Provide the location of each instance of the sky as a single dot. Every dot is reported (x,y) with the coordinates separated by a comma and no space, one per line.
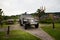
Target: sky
(15,7)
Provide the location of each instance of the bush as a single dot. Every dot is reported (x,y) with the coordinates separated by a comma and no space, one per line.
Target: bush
(48,21)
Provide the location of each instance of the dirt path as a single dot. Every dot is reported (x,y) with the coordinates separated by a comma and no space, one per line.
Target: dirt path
(3,29)
(40,34)
(36,32)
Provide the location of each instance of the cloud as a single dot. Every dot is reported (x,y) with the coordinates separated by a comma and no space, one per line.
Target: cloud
(13,7)
(52,5)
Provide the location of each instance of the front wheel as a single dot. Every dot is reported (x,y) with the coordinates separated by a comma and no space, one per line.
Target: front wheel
(25,26)
(36,25)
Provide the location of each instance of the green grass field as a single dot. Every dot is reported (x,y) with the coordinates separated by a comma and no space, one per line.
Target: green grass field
(17,35)
(53,32)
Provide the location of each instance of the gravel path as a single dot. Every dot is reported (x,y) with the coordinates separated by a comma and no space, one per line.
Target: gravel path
(36,32)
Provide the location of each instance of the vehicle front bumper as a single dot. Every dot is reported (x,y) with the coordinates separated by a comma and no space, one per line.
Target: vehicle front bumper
(33,23)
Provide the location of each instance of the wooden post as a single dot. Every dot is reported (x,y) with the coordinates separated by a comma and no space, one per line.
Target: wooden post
(8,30)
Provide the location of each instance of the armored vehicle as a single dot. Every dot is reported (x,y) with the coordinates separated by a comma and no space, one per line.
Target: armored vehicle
(27,20)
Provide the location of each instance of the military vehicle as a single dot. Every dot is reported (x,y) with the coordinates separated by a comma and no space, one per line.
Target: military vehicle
(27,20)
(10,21)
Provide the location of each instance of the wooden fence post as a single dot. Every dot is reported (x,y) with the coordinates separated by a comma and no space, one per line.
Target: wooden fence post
(8,30)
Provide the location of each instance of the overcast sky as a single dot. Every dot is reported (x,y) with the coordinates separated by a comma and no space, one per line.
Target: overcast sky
(13,7)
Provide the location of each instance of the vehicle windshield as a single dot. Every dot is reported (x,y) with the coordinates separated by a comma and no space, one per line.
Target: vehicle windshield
(28,17)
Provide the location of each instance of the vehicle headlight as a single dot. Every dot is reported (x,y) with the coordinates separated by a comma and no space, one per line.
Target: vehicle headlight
(36,20)
(32,20)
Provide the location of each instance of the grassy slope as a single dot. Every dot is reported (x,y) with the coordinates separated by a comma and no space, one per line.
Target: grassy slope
(53,32)
(17,35)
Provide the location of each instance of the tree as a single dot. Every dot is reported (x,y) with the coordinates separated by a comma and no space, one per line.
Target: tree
(52,18)
(40,12)
(1,14)
(1,17)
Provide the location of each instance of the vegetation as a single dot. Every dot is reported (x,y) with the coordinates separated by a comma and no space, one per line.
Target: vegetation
(40,12)
(1,17)
(53,32)
(47,21)
(11,17)
(17,35)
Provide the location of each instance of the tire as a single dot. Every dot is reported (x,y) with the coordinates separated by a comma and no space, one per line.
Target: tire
(36,25)
(26,26)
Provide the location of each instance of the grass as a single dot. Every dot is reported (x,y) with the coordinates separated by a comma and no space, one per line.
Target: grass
(53,32)
(17,35)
